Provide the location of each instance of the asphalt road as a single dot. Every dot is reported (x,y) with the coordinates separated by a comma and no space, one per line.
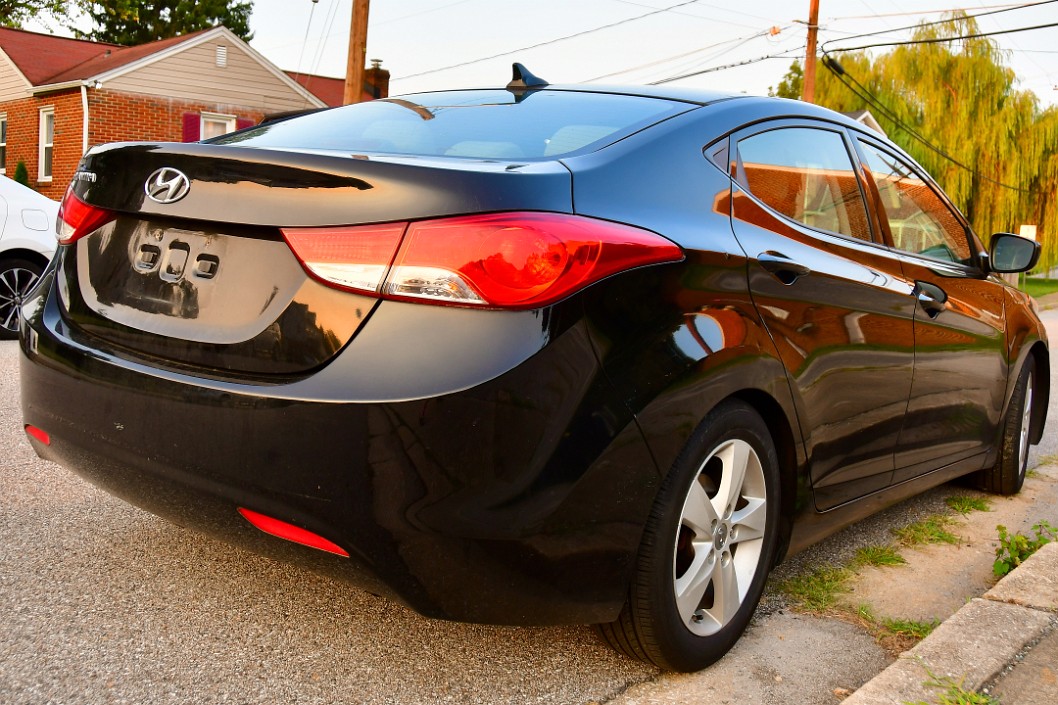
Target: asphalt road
(103,603)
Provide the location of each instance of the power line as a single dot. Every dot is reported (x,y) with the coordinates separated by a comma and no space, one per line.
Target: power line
(942,40)
(930,24)
(736,64)
(305,41)
(421,12)
(708,19)
(551,41)
(1009,5)
(667,58)
(861,91)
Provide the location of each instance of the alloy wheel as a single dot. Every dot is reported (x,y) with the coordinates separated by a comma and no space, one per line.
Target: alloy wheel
(720,537)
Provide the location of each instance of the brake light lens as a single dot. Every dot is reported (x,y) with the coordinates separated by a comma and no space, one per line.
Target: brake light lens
(501,260)
(77,218)
(289,532)
(38,433)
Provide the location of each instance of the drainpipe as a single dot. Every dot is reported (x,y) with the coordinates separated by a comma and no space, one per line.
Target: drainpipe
(84,120)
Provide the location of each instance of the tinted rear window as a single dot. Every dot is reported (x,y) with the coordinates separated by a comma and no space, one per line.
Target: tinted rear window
(477,124)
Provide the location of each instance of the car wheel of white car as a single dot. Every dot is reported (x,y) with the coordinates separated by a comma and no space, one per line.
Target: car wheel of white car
(17,279)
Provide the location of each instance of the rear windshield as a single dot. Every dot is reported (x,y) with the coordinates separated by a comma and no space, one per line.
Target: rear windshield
(492,124)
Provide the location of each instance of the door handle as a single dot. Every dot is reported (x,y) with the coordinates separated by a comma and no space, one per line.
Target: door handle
(931,297)
(785,269)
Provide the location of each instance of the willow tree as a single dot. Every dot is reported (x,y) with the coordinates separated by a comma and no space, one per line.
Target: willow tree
(959,95)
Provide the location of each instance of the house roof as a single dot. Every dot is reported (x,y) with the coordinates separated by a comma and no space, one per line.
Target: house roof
(41,56)
(45,58)
(116,58)
(330,90)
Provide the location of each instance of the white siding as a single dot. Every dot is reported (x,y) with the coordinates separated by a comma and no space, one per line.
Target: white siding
(193,75)
(13,85)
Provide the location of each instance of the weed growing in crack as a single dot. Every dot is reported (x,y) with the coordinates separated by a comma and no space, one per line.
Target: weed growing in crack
(1014,548)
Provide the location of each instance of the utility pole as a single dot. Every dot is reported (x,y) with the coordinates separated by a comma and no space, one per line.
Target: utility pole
(354,69)
(808,93)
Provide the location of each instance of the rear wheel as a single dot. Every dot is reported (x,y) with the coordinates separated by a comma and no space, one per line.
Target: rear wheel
(707,548)
(1008,474)
(17,279)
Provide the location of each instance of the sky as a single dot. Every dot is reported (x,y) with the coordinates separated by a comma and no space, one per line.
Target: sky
(650,40)
(442,44)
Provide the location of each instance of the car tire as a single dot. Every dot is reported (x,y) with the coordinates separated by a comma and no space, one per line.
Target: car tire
(1008,474)
(708,546)
(17,278)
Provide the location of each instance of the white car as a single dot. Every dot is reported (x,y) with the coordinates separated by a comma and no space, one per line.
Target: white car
(27,243)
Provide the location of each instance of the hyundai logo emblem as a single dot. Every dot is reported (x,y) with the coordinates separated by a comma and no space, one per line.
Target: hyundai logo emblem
(167,185)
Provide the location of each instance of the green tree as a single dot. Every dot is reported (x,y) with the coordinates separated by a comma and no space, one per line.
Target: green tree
(14,12)
(133,22)
(792,84)
(963,99)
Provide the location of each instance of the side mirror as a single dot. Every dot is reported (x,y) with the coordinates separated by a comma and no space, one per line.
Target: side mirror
(1010,253)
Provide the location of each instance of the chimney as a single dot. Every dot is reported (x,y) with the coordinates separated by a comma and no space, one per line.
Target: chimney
(376,79)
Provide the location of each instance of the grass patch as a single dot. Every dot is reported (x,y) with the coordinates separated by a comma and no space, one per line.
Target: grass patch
(952,692)
(894,635)
(1039,287)
(877,556)
(1051,459)
(912,628)
(964,504)
(932,529)
(817,590)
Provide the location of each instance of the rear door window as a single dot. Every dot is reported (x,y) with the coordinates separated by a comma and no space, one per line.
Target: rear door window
(920,221)
(805,174)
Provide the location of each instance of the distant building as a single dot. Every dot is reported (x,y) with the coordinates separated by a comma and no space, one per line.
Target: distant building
(864,117)
(60,96)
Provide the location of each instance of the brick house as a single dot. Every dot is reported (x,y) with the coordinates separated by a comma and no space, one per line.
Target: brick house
(60,96)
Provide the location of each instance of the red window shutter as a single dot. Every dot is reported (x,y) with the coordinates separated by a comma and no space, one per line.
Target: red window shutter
(192,127)
(243,123)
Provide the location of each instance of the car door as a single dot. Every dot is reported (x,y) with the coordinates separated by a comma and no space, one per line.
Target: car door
(832,296)
(960,362)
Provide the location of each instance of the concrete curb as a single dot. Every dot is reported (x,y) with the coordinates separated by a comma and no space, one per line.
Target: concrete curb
(977,643)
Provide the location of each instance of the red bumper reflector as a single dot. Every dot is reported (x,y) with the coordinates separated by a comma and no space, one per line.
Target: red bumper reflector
(37,433)
(290,532)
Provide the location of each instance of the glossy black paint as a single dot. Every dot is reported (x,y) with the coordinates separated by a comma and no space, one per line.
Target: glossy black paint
(499,466)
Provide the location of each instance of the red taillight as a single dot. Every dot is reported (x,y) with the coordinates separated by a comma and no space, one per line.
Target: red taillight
(77,218)
(39,434)
(502,260)
(283,530)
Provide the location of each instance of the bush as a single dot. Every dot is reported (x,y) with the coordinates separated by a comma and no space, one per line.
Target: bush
(1015,548)
(22,174)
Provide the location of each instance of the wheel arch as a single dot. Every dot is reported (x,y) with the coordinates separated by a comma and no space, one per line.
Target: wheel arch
(763,386)
(1041,388)
(26,254)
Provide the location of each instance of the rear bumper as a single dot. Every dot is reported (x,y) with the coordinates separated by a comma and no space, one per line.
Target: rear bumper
(516,500)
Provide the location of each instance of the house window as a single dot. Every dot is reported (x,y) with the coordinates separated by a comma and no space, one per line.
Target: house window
(214,125)
(47,144)
(3,144)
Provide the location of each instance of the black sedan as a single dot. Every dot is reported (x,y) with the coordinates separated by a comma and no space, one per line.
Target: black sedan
(533,355)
